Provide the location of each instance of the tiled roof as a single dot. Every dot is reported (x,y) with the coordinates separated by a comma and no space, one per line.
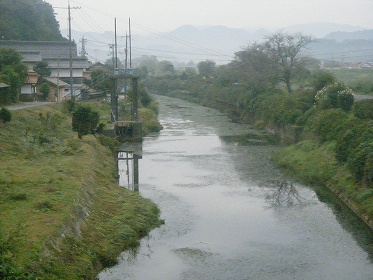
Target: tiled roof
(54,80)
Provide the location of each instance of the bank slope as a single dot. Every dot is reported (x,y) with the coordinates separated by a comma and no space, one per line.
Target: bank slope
(62,215)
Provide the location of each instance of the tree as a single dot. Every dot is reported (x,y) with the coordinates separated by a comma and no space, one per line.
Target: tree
(28,20)
(102,80)
(45,90)
(255,67)
(84,120)
(166,66)
(151,63)
(42,69)
(284,50)
(206,68)
(12,72)
(321,79)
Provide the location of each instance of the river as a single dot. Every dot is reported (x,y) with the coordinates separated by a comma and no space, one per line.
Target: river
(230,214)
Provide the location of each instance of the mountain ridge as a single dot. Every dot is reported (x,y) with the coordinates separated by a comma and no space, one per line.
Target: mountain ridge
(218,43)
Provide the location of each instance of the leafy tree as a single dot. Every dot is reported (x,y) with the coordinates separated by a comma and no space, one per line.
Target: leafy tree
(84,120)
(151,63)
(12,72)
(29,20)
(256,68)
(143,72)
(284,50)
(206,68)
(321,79)
(45,90)
(103,81)
(166,66)
(42,69)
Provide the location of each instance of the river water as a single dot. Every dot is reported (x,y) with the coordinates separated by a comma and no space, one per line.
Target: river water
(229,214)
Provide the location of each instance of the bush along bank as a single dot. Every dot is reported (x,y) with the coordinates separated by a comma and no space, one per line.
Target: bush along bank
(336,152)
(62,213)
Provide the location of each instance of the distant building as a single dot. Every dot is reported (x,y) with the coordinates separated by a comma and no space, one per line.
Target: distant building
(57,55)
(59,90)
(28,90)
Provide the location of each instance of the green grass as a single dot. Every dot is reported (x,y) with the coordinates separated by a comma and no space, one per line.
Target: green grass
(315,164)
(59,195)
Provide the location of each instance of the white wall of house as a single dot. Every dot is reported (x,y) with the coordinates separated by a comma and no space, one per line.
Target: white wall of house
(27,89)
(65,73)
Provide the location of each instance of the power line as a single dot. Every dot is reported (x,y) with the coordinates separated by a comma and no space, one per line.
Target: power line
(169,37)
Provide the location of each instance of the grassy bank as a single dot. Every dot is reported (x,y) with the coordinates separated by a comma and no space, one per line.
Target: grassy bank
(62,214)
(315,164)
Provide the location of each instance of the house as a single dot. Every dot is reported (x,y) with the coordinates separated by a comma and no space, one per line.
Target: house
(59,90)
(28,90)
(57,55)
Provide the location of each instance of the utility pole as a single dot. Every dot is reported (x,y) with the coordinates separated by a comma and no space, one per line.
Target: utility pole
(129,29)
(71,51)
(69,8)
(126,63)
(70,54)
(114,95)
(58,82)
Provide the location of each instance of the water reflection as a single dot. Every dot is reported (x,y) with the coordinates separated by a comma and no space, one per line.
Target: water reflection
(128,165)
(361,232)
(285,194)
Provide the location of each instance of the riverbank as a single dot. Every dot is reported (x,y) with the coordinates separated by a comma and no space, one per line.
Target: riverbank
(315,164)
(63,215)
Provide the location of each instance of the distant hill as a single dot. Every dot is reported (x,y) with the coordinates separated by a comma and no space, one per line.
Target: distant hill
(357,35)
(321,29)
(219,43)
(28,20)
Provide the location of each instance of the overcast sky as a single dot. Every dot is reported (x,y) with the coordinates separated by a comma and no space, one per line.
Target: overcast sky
(166,15)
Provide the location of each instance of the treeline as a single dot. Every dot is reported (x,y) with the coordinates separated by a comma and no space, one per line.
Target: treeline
(270,85)
(28,20)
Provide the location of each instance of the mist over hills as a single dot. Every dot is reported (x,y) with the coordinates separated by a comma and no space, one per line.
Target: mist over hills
(219,43)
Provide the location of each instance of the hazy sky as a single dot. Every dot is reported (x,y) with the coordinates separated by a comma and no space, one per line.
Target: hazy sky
(166,15)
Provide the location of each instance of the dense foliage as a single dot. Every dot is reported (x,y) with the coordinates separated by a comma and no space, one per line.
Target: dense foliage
(28,20)
(12,73)
(5,115)
(84,120)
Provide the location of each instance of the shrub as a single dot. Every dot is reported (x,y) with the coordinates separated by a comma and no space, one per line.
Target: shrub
(109,142)
(329,124)
(69,105)
(286,111)
(360,161)
(5,115)
(363,109)
(345,145)
(335,96)
(356,148)
(84,120)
